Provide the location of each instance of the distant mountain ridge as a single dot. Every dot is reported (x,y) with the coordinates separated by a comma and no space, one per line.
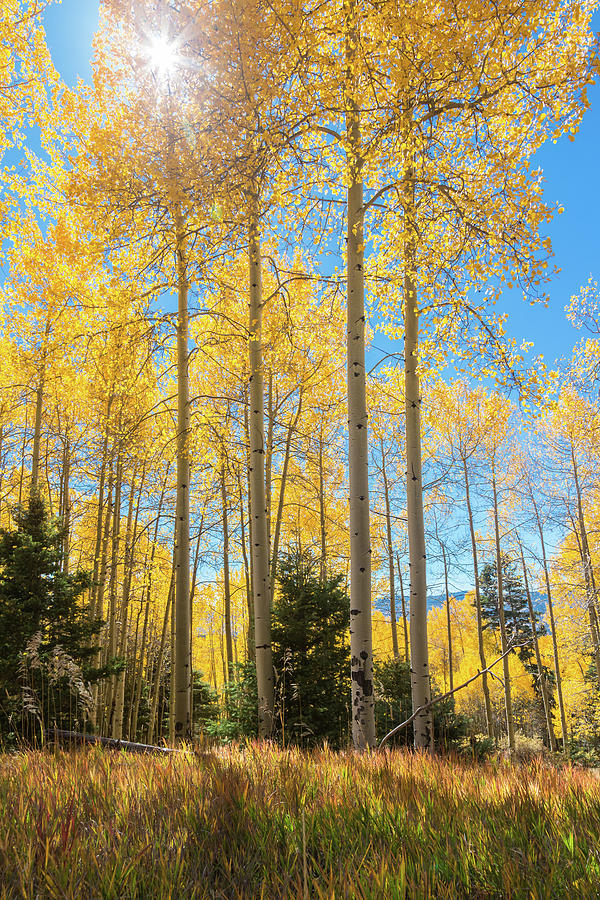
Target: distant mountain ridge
(435,600)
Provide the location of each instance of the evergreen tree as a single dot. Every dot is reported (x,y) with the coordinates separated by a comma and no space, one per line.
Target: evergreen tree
(393,705)
(46,640)
(519,631)
(239,717)
(205,702)
(311,654)
(393,699)
(516,612)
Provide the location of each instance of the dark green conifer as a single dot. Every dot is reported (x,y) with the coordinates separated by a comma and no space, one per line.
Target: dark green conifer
(311,653)
(516,611)
(40,609)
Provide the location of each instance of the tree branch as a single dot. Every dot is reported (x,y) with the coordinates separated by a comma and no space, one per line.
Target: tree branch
(427,706)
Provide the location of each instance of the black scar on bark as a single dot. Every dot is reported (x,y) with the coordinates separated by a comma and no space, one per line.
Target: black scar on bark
(365,684)
(355,612)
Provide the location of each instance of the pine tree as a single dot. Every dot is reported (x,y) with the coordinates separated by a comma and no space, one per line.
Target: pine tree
(44,634)
(516,612)
(311,653)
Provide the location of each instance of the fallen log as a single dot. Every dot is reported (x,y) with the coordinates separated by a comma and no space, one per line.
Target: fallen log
(74,737)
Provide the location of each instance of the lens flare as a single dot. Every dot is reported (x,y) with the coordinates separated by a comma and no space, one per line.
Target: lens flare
(162,56)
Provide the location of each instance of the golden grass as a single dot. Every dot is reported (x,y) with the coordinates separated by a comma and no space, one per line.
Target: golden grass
(229,824)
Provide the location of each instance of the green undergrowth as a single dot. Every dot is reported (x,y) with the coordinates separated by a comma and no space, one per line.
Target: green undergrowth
(265,823)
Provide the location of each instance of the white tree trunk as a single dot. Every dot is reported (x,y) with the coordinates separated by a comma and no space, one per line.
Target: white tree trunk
(448,621)
(403,604)
(39,408)
(322,523)
(510,722)
(361,639)
(282,488)
(419,649)
(119,701)
(112,595)
(37,432)
(390,550)
(183,648)
(226,578)
(588,571)
(258,503)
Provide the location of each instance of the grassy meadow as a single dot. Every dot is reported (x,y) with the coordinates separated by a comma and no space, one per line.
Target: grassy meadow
(265,823)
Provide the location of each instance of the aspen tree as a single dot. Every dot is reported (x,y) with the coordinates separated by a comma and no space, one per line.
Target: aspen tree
(182,661)
(460,420)
(115,540)
(455,113)
(586,563)
(119,697)
(419,658)
(322,525)
(155,694)
(245,36)
(448,621)
(361,639)
(390,551)
(258,502)
(138,677)
(39,408)
(293,423)
(536,645)
(226,578)
(567,436)
(557,668)
(530,492)
(510,722)
(151,187)
(403,602)
(100,512)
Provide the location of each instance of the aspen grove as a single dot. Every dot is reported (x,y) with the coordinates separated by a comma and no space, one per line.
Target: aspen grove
(276,465)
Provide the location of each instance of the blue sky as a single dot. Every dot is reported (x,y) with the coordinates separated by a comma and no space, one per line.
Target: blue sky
(70,27)
(570,171)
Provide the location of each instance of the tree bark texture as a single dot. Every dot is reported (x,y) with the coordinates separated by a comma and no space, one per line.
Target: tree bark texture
(390,551)
(282,487)
(183,649)
(403,603)
(39,409)
(112,593)
(588,572)
(361,640)
(161,656)
(121,635)
(258,501)
(226,581)
(448,621)
(419,649)
(510,722)
(322,523)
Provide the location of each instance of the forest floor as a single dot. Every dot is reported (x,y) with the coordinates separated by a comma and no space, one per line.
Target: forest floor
(265,823)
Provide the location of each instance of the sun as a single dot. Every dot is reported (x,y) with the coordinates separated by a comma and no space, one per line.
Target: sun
(163,57)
